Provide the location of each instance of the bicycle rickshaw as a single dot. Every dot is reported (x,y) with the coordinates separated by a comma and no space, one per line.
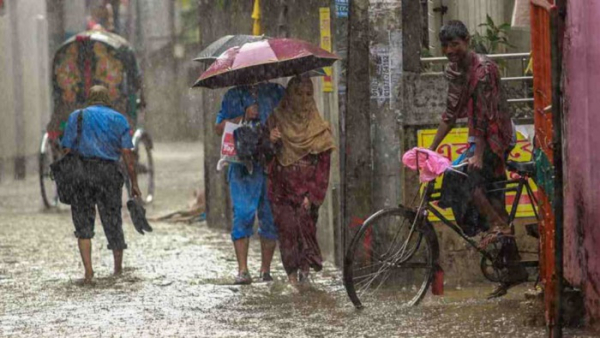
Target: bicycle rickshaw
(395,253)
(96,58)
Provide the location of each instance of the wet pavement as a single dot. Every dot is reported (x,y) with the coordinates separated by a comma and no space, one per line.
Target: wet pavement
(177,281)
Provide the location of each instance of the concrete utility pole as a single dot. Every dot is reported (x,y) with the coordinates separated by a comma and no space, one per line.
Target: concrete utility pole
(355,123)
(385,47)
(17,67)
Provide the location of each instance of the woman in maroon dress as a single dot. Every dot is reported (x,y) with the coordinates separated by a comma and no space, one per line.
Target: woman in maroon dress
(299,176)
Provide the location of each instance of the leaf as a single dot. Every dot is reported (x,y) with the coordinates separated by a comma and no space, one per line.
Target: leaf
(489,20)
(504,26)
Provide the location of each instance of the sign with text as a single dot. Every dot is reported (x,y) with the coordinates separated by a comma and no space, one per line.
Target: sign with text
(456,143)
(325,25)
(341,8)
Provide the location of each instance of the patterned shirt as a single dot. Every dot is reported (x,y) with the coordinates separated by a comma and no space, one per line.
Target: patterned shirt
(477,95)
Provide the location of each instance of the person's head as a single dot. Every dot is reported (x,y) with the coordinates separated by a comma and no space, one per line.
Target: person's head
(454,37)
(300,87)
(99,96)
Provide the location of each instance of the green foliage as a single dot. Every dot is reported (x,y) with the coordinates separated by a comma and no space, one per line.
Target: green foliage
(494,37)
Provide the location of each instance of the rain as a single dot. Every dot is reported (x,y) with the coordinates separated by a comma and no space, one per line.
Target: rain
(278,168)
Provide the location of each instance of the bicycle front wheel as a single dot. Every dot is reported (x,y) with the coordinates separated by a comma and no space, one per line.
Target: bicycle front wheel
(391,259)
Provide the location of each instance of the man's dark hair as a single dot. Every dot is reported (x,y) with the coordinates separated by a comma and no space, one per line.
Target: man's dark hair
(454,29)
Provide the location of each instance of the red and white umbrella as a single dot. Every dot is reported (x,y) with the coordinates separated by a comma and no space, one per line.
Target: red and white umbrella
(264,60)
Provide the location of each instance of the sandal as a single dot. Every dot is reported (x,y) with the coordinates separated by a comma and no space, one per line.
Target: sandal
(266,277)
(243,278)
(304,277)
(499,291)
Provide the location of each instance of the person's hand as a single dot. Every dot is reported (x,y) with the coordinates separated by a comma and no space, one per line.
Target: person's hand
(306,203)
(252,112)
(475,162)
(135,191)
(275,135)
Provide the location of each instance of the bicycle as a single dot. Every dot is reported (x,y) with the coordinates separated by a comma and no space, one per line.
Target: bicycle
(51,150)
(395,253)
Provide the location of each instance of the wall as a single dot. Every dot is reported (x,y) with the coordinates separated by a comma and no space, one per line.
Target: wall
(582,161)
(24,85)
(473,13)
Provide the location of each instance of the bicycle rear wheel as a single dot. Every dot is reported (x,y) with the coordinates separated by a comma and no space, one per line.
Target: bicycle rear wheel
(390,259)
(47,185)
(145,168)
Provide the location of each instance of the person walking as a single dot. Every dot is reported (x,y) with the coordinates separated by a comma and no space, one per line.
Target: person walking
(104,137)
(248,189)
(475,92)
(299,177)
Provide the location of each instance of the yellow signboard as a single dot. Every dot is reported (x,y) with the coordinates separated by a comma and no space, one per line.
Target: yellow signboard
(325,25)
(456,143)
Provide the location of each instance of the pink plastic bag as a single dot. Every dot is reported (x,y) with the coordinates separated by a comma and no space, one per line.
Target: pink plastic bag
(431,164)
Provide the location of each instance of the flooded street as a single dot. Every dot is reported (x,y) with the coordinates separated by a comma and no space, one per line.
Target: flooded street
(178,281)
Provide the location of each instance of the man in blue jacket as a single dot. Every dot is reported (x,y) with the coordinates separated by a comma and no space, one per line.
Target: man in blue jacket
(104,137)
(249,189)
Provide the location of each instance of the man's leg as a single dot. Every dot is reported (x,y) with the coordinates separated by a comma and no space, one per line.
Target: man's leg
(245,195)
(267,249)
(267,231)
(109,209)
(241,253)
(85,249)
(118,259)
(496,216)
(83,214)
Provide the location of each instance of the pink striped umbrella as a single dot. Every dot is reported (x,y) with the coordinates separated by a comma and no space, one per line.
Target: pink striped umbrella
(264,60)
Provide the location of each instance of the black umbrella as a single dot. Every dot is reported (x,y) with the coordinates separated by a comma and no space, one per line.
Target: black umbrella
(212,52)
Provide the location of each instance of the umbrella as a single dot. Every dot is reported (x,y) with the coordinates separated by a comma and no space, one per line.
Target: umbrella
(212,52)
(264,60)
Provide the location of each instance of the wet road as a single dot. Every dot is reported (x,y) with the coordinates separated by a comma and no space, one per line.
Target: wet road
(177,282)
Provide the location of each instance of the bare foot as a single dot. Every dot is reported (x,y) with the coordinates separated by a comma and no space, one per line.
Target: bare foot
(293,279)
(88,279)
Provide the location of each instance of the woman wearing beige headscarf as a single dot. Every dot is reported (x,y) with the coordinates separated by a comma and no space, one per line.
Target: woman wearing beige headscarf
(299,177)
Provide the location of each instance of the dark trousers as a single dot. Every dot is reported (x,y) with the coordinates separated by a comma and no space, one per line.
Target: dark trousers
(103,188)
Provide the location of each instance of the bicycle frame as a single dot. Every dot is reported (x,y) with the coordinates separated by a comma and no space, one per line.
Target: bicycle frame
(522,182)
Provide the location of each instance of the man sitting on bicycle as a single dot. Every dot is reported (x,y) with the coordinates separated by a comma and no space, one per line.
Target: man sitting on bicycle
(475,93)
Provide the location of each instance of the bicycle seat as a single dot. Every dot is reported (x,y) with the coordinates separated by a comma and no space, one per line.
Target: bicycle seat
(521,168)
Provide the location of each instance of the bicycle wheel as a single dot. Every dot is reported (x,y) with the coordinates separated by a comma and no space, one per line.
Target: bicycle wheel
(390,260)
(491,268)
(47,185)
(145,168)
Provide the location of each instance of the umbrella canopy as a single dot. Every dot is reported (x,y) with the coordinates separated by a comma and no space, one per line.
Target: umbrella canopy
(212,52)
(264,60)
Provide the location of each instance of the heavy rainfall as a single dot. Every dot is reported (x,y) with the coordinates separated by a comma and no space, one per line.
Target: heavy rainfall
(315,168)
